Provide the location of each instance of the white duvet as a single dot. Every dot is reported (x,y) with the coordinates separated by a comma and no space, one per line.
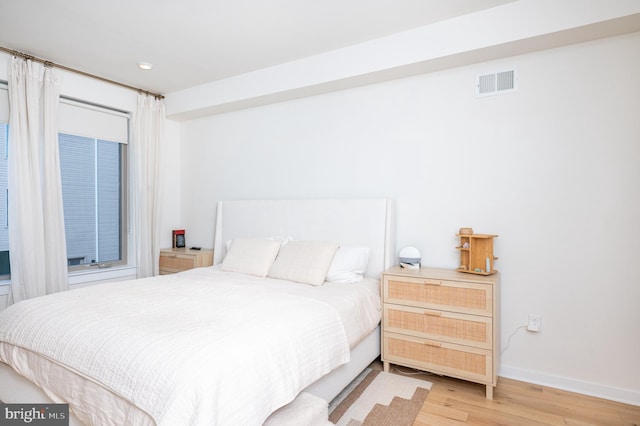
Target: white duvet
(197,348)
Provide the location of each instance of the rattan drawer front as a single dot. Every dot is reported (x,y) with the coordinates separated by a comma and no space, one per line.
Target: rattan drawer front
(443,358)
(457,296)
(176,262)
(472,330)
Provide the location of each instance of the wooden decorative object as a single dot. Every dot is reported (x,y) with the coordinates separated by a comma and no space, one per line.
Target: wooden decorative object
(476,253)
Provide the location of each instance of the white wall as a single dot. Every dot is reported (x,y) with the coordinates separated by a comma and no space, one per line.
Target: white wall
(552,168)
(170,174)
(516,27)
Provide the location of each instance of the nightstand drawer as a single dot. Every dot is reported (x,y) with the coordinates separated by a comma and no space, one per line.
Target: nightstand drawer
(457,296)
(180,259)
(439,357)
(471,330)
(177,262)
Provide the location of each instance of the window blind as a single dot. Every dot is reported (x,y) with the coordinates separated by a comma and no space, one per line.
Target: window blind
(4,104)
(80,119)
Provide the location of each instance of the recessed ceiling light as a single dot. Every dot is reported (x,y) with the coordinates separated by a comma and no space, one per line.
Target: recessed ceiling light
(145,65)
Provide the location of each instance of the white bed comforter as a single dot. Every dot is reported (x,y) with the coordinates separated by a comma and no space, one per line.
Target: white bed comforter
(196,348)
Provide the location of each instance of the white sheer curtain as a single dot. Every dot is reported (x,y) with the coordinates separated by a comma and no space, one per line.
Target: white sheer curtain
(148,137)
(37,243)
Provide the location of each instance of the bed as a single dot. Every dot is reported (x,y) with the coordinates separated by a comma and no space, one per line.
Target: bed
(175,321)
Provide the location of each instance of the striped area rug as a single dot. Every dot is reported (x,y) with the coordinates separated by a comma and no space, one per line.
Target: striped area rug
(377,398)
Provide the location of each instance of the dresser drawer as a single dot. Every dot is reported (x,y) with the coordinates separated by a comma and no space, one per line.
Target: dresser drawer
(470,330)
(457,296)
(439,357)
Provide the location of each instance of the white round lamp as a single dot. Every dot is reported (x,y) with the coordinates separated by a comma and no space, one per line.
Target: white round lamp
(410,258)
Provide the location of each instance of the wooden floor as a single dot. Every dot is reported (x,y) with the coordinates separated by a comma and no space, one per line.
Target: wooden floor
(457,402)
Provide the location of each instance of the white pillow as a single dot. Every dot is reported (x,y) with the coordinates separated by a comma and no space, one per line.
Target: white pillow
(303,261)
(253,256)
(283,240)
(349,265)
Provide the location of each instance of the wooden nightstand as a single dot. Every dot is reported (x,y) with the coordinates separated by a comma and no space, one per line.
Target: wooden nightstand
(442,321)
(180,259)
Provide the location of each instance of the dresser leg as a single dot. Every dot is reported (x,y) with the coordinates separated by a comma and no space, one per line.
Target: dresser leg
(489,392)
(385,366)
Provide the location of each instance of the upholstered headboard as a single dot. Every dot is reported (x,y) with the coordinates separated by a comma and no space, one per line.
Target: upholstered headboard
(361,222)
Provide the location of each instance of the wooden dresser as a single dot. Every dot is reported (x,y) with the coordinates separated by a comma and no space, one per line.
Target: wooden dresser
(442,321)
(180,259)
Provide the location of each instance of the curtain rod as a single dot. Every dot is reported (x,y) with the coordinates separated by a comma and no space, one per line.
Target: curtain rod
(73,70)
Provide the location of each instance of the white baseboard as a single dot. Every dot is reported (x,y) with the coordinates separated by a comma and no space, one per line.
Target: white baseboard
(626,396)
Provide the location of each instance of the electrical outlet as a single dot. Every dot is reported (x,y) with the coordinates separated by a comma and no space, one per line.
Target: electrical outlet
(534,322)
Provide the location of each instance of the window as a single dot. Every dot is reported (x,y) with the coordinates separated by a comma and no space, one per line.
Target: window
(93,162)
(91,172)
(4,196)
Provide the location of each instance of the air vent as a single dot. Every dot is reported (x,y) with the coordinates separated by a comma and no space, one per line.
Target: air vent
(496,83)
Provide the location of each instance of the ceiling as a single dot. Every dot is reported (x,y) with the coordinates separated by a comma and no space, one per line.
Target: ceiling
(191,42)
